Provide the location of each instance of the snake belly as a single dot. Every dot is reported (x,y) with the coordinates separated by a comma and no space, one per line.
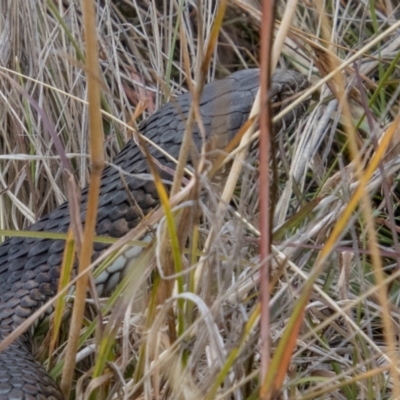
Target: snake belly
(30,267)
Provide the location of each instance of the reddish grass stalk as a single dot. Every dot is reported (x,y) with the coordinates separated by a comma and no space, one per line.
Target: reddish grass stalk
(265,153)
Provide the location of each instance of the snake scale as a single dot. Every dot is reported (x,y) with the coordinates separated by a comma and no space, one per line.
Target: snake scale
(30,267)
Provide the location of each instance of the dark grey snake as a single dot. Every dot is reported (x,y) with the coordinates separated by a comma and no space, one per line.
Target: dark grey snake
(30,268)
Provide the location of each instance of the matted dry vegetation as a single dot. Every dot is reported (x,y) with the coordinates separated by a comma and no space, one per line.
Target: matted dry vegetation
(335,209)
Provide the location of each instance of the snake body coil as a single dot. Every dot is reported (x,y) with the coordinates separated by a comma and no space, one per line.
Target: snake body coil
(30,268)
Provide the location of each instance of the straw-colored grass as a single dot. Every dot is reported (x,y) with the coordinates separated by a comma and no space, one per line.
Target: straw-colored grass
(334,316)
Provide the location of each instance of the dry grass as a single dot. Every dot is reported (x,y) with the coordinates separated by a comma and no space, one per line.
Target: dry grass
(335,213)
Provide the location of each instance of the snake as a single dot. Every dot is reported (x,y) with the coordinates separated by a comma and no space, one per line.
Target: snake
(30,267)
